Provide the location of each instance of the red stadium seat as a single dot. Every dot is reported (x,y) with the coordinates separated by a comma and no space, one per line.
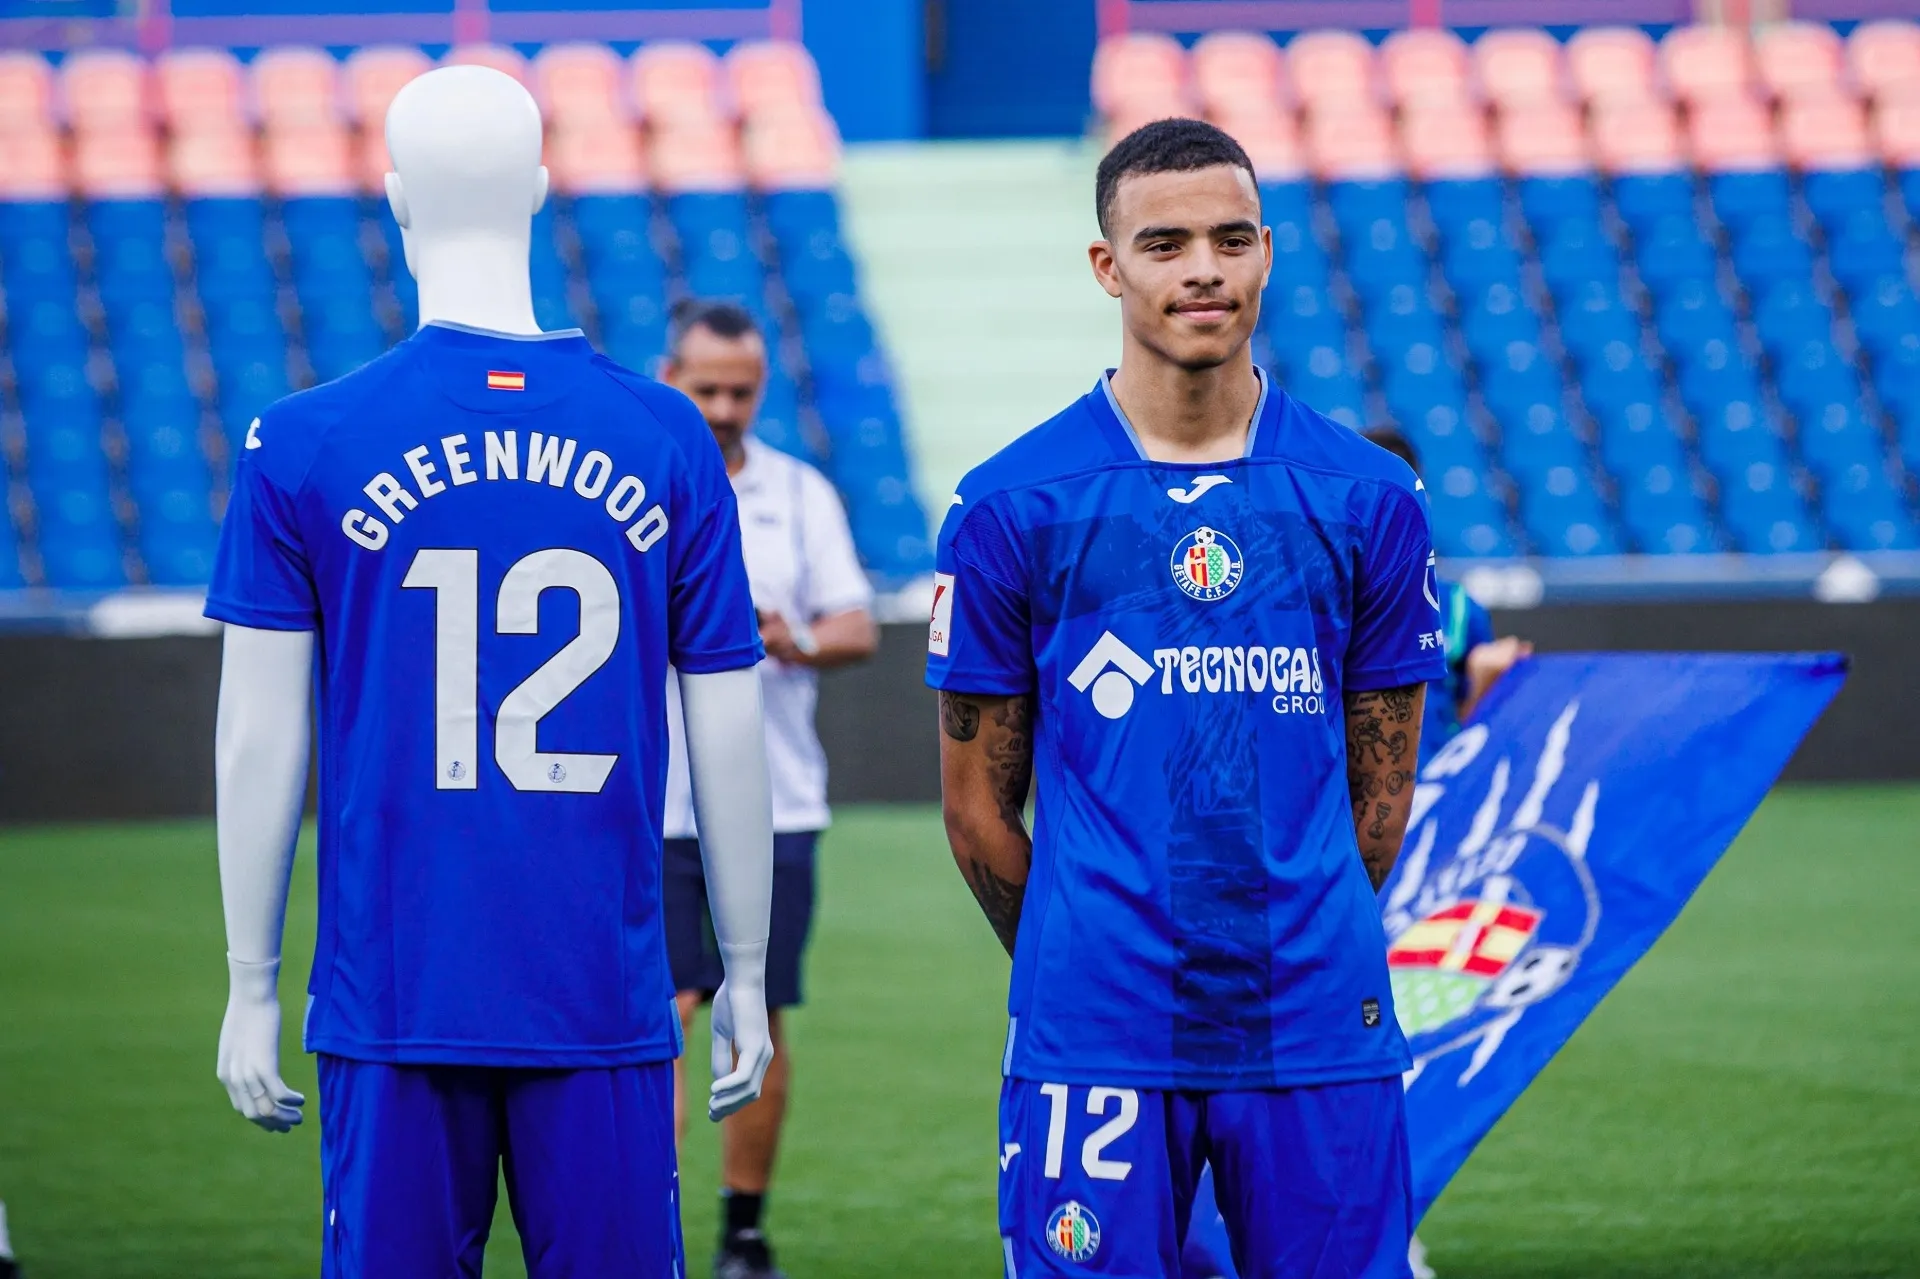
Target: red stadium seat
(1796,58)
(504,60)
(1138,66)
(33,164)
(773,77)
(1734,133)
(1426,64)
(1703,63)
(370,161)
(296,85)
(105,90)
(374,75)
(1520,66)
(791,151)
(1134,113)
(1238,73)
(581,85)
(1612,64)
(1546,139)
(597,157)
(1636,137)
(697,156)
(214,162)
(1333,71)
(1828,131)
(1884,56)
(26,91)
(1351,144)
(315,160)
(1271,139)
(117,164)
(200,90)
(1896,128)
(1444,140)
(677,81)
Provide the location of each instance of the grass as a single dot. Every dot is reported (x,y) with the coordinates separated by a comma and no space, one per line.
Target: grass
(1747,1104)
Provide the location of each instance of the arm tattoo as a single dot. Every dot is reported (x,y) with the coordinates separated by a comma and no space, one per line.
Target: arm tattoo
(959,716)
(1382,744)
(1010,753)
(999,898)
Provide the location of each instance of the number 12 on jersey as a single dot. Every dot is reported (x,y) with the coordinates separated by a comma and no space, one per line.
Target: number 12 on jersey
(454,578)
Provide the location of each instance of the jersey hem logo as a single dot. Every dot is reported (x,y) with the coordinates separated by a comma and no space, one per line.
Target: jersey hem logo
(1198,489)
(1207,565)
(1073,1232)
(1112,688)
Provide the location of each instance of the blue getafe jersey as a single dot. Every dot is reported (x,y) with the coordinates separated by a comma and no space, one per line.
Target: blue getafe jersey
(1198,915)
(1466,624)
(501,543)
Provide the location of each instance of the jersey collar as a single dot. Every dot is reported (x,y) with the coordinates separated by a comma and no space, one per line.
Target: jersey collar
(1113,423)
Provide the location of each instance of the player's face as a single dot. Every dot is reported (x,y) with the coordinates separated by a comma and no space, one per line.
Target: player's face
(724,377)
(1187,258)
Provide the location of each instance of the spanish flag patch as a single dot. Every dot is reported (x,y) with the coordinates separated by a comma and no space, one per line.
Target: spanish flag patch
(498,381)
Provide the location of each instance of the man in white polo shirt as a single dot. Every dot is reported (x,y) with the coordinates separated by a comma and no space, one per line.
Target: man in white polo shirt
(813,600)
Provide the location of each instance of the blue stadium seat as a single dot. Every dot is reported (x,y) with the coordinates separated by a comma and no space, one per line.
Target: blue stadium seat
(1836,434)
(1884,310)
(1834,195)
(1496,316)
(1770,249)
(1380,255)
(44,331)
(1467,519)
(176,531)
(243,321)
(1715,374)
(1865,508)
(794,215)
(58,389)
(1535,442)
(1299,316)
(1442,436)
(38,269)
(1521,378)
(816,268)
(1671,250)
(34,220)
(11,576)
(1454,202)
(1323,379)
(1789,314)
(1739,198)
(1864,249)
(1896,372)
(1691,313)
(1738,433)
(1576,254)
(1638,435)
(1565,517)
(1355,204)
(79,538)
(1764,514)
(1478,255)
(1419,379)
(1401,318)
(1550,202)
(1595,314)
(1646,199)
(1661,506)
(1813,373)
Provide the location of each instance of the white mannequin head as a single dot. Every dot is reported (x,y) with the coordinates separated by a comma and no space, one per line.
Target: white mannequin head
(467,180)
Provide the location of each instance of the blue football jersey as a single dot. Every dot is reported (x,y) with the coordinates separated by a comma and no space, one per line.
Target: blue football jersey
(501,544)
(1198,915)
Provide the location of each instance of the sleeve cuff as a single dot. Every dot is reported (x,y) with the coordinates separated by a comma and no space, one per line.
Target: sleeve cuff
(1422,670)
(259,617)
(987,683)
(727,659)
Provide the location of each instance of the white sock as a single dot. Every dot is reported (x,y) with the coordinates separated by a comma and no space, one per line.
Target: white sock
(6,1245)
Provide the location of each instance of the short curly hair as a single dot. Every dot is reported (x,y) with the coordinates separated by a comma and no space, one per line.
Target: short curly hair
(1165,146)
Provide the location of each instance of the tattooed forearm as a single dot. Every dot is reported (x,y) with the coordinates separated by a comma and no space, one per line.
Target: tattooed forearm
(1383,745)
(1000,900)
(959,716)
(986,770)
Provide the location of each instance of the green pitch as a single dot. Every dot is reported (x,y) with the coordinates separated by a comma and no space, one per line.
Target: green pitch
(1747,1104)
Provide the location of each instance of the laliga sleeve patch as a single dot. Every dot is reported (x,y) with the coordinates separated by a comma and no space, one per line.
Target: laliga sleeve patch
(940,629)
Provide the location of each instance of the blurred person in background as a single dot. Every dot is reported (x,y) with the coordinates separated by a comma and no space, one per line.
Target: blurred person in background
(813,601)
(1475,657)
(8,1268)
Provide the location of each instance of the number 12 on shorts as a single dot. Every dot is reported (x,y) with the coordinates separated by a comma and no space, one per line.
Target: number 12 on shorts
(1099,1101)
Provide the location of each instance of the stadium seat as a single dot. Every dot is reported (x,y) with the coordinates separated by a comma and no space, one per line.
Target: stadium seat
(769,78)
(493,56)
(1768,249)
(1826,131)
(26,103)
(1836,195)
(1884,56)
(581,86)
(1424,66)
(1520,68)
(677,82)
(1332,71)
(1446,140)
(1235,71)
(1352,143)
(105,91)
(1637,137)
(1734,133)
(296,87)
(1543,140)
(1549,202)
(792,150)
(1564,517)
(1736,433)
(594,158)
(1454,202)
(1661,506)
(1864,248)
(200,89)
(1609,65)
(1862,504)
(1672,250)
(1705,63)
(1740,197)
(1136,66)
(1764,514)
(374,75)
(1644,199)
(1795,59)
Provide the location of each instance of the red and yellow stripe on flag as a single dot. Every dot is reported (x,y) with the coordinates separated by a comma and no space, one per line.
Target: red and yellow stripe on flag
(1481,938)
(498,381)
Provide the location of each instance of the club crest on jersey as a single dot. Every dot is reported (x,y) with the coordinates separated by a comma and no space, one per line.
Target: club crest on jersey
(1073,1231)
(1207,565)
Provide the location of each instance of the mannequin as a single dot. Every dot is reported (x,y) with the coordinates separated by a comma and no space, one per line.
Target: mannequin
(465,143)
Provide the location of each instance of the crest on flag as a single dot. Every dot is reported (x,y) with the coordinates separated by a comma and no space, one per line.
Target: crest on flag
(1206,564)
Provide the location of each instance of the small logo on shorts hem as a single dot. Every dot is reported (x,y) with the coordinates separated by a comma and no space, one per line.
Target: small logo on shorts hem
(1073,1231)
(1370,1012)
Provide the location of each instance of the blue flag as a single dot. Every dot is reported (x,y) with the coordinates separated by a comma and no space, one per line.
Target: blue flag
(1551,843)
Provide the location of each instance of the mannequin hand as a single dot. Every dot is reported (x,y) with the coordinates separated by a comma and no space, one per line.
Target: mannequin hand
(742,1045)
(249,1064)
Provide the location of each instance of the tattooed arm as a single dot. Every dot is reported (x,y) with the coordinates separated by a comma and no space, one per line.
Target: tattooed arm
(1383,745)
(986,767)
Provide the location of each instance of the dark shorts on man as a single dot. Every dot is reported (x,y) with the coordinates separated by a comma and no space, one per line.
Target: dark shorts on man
(693,953)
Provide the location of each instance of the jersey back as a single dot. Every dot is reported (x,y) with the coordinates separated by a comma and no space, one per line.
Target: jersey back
(501,544)
(1197,914)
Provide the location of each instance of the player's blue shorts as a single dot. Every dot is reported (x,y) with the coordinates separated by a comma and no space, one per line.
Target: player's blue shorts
(1314,1183)
(410,1157)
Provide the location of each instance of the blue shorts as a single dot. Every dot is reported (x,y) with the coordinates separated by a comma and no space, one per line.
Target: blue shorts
(1313,1183)
(694,956)
(410,1157)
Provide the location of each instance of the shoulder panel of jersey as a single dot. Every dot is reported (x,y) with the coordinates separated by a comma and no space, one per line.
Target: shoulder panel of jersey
(674,412)
(288,435)
(1315,440)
